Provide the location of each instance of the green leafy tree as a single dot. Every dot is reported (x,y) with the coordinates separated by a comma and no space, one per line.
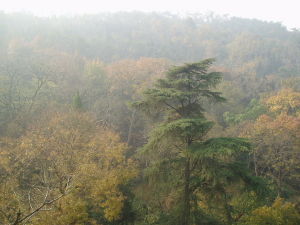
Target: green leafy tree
(179,146)
(252,112)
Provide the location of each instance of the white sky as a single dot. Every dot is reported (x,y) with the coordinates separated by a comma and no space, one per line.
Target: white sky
(285,11)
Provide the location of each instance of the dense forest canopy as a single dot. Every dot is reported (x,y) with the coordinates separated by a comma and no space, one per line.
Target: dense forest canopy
(148,118)
(112,37)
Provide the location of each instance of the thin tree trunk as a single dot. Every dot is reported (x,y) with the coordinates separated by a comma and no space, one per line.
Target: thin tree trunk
(255,163)
(129,136)
(279,183)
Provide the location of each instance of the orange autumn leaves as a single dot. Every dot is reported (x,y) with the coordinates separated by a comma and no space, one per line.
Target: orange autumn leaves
(276,140)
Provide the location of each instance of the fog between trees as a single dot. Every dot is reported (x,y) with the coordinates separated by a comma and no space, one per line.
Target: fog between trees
(148,118)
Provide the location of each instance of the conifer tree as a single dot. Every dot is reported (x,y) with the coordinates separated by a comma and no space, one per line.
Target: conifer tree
(179,143)
(77,102)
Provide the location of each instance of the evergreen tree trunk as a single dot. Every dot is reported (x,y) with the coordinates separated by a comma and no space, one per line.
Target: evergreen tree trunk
(186,198)
(227,210)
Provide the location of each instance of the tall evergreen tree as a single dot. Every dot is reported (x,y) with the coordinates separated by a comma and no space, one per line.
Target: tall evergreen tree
(179,144)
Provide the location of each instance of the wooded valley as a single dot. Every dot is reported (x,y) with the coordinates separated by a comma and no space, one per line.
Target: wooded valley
(148,119)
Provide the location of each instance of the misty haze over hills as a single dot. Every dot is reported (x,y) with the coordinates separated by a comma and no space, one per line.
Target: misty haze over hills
(113,36)
(139,118)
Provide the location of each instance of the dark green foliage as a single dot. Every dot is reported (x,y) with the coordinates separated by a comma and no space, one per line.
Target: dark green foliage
(183,91)
(178,130)
(180,145)
(77,102)
(220,147)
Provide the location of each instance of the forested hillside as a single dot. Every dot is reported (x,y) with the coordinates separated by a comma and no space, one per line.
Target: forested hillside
(148,118)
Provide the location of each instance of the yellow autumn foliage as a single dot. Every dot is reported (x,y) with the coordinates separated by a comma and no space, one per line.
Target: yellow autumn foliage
(286,101)
(71,145)
(280,213)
